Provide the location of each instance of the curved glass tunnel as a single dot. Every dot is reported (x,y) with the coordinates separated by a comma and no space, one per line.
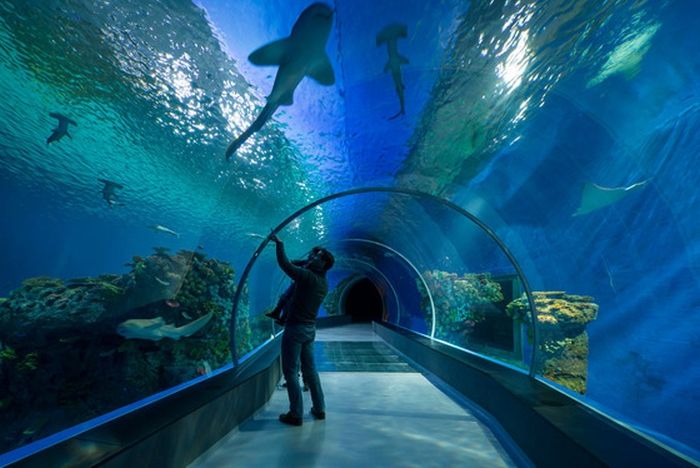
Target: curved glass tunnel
(568,130)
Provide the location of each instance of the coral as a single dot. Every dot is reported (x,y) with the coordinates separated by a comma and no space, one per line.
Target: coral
(557,311)
(568,364)
(456,299)
(161,251)
(60,353)
(563,342)
(8,354)
(41,282)
(30,362)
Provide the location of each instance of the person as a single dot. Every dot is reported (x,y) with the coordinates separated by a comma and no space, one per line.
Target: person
(278,313)
(308,291)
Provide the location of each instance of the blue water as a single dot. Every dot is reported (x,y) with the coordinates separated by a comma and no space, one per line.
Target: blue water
(511,107)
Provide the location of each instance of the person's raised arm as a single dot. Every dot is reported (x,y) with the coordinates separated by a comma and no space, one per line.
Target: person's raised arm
(294,272)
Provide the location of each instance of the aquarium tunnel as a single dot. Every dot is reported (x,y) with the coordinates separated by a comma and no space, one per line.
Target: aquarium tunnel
(509,189)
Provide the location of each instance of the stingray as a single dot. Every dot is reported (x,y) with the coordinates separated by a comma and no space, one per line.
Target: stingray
(595,197)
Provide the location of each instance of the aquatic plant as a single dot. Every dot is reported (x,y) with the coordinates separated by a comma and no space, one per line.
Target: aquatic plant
(41,282)
(138,265)
(30,362)
(110,291)
(7,354)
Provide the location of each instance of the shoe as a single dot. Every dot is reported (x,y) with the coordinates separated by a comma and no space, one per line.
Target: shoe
(289,418)
(318,414)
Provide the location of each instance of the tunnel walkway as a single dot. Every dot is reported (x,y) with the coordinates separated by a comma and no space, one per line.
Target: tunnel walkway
(380,412)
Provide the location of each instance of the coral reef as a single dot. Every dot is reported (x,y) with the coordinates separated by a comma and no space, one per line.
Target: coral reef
(61,356)
(563,341)
(457,300)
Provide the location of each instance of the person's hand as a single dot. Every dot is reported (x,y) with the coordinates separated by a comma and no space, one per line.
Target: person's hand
(273,237)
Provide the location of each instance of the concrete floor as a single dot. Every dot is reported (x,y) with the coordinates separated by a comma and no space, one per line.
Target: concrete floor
(373,419)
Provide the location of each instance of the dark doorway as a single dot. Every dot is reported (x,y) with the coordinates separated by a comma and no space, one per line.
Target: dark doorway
(363,302)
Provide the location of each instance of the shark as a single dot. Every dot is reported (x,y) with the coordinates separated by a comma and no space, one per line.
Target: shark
(595,197)
(62,129)
(297,56)
(163,229)
(109,192)
(156,329)
(390,35)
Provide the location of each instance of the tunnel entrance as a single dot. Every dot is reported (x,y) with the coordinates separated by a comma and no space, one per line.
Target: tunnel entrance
(363,302)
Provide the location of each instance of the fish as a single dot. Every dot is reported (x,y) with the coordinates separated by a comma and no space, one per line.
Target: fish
(185,315)
(62,129)
(160,281)
(163,229)
(390,35)
(171,303)
(299,55)
(595,197)
(156,329)
(109,192)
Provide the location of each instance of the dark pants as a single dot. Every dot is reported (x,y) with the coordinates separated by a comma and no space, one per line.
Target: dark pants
(298,347)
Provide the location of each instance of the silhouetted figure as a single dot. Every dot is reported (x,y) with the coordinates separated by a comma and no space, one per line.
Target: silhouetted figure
(299,55)
(390,36)
(309,289)
(62,129)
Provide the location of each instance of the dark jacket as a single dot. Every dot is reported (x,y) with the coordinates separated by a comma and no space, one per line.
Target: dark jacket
(310,288)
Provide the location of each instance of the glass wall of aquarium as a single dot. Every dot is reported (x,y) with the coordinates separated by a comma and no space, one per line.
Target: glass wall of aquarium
(147,148)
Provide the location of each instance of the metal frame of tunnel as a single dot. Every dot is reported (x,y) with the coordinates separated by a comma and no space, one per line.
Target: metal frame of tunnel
(400,191)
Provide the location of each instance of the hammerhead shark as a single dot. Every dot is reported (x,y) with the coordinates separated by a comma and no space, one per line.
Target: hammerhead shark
(109,192)
(163,229)
(299,55)
(156,329)
(595,197)
(390,36)
(62,129)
